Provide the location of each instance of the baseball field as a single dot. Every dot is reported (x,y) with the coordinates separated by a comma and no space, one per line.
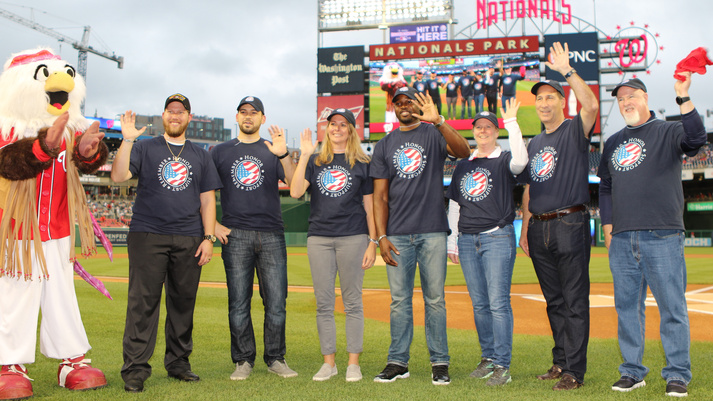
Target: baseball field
(104,321)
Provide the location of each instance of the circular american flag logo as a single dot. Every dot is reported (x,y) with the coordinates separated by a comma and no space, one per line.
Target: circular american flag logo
(543,164)
(628,155)
(333,180)
(409,160)
(247,173)
(475,184)
(175,173)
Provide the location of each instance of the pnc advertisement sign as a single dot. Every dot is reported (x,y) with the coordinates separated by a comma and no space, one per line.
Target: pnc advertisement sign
(340,69)
(583,54)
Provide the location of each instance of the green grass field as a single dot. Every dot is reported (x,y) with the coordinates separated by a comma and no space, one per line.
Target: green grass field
(104,321)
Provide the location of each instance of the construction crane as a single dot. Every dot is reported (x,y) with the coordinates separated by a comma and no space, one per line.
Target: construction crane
(82,46)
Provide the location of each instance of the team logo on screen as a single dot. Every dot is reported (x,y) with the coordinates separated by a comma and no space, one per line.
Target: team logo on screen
(174,175)
(248,173)
(543,164)
(409,160)
(475,185)
(334,181)
(628,155)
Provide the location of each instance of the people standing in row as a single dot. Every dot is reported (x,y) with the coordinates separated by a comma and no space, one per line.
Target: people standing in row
(555,224)
(170,237)
(253,238)
(481,213)
(641,200)
(407,167)
(341,237)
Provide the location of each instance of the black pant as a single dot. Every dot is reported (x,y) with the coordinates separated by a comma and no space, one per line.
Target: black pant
(492,102)
(156,261)
(560,250)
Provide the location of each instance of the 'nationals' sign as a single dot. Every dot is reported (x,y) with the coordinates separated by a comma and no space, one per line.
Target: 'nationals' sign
(454,48)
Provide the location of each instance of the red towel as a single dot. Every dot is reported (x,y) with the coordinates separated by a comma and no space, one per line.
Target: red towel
(694,62)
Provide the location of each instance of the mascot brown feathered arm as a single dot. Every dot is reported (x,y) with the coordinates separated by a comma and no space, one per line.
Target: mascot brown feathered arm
(90,152)
(18,160)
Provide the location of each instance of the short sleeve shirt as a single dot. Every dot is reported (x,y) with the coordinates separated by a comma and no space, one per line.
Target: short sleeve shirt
(168,191)
(413,163)
(466,86)
(337,191)
(250,197)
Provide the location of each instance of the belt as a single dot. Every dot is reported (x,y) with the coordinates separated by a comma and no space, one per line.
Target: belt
(558,213)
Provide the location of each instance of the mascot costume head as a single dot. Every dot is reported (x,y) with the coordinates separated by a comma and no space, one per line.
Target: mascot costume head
(36,87)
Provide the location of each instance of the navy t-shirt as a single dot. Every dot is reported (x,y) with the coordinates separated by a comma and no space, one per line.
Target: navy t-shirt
(432,87)
(466,86)
(644,166)
(451,89)
(168,192)
(478,87)
(559,168)
(508,83)
(492,84)
(337,191)
(413,162)
(250,197)
(420,86)
(483,188)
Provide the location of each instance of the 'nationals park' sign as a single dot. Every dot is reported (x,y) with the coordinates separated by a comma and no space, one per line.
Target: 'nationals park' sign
(454,48)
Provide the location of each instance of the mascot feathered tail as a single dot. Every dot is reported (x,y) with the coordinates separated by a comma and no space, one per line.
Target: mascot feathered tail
(45,143)
(391,80)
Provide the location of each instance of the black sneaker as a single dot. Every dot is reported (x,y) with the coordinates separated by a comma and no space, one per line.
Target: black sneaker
(627,383)
(439,375)
(392,372)
(676,388)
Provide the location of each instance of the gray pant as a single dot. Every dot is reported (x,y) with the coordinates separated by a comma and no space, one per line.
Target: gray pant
(327,257)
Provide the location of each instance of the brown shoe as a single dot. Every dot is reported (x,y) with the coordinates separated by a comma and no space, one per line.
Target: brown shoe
(555,372)
(567,382)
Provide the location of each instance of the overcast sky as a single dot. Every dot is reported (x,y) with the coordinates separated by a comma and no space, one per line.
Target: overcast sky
(216,52)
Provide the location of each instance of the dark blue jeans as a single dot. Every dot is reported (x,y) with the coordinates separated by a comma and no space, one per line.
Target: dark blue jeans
(560,250)
(245,254)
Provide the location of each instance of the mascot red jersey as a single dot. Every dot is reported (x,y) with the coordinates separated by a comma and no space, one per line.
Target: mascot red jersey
(44,143)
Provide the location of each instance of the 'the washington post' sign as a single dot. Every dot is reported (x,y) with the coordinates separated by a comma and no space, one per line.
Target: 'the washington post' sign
(340,69)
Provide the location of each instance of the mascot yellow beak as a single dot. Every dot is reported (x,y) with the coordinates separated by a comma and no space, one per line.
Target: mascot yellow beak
(57,87)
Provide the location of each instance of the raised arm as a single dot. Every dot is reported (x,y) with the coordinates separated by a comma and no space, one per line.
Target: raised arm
(517,146)
(299,182)
(120,167)
(457,145)
(278,147)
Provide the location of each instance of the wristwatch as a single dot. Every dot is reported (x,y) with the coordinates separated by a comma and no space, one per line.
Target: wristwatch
(438,124)
(210,238)
(681,100)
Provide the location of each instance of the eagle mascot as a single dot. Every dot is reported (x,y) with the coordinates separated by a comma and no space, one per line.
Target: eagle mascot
(391,80)
(44,143)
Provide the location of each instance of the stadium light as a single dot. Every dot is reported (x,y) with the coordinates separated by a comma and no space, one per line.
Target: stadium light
(340,15)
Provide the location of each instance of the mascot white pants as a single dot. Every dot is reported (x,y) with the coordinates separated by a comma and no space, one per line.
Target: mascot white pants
(62,333)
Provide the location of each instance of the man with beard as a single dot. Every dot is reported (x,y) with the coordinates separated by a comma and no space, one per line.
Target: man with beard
(407,168)
(555,222)
(641,202)
(170,237)
(253,238)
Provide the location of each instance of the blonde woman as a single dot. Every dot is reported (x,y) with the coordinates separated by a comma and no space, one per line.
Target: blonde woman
(340,239)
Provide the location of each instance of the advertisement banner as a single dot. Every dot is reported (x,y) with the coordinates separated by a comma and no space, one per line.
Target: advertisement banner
(326,104)
(583,54)
(418,33)
(340,69)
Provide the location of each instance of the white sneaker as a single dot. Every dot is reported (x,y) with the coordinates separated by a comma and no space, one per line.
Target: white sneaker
(325,373)
(353,373)
(242,371)
(281,369)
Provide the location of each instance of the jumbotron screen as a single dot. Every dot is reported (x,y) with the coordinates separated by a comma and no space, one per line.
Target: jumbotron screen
(521,70)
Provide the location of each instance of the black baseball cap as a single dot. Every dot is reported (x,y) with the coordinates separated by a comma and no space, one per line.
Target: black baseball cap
(253,101)
(488,116)
(344,113)
(550,82)
(635,83)
(178,98)
(406,90)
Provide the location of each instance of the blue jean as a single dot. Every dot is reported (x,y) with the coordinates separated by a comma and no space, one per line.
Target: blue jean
(560,250)
(245,254)
(479,99)
(655,259)
(487,260)
(467,102)
(429,251)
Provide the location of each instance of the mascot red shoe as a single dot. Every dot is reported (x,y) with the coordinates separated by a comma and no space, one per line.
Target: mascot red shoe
(44,143)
